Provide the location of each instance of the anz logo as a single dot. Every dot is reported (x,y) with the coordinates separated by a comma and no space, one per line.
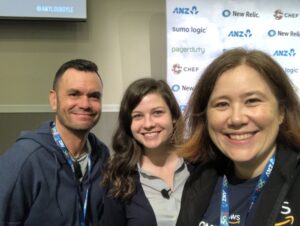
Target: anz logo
(182,10)
(240,34)
(285,53)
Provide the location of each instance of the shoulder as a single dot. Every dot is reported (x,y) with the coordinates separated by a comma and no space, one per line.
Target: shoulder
(99,148)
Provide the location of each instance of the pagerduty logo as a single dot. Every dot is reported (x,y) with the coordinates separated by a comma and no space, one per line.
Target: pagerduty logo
(285,53)
(279,14)
(186,11)
(235,13)
(193,49)
(240,34)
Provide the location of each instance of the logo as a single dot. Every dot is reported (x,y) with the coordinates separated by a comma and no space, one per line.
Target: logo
(186,11)
(226,13)
(285,53)
(291,71)
(193,49)
(234,219)
(273,33)
(286,212)
(185,88)
(177,69)
(240,34)
(197,30)
(234,13)
(175,88)
(279,14)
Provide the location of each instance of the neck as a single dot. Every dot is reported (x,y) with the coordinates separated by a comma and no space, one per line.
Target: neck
(163,167)
(74,141)
(158,159)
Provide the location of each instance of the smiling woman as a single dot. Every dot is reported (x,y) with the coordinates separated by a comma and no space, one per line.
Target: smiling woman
(145,176)
(243,123)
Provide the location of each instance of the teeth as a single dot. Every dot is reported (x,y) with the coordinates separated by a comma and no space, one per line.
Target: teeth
(152,134)
(240,136)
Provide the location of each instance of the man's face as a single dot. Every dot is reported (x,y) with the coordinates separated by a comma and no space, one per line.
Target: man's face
(77,101)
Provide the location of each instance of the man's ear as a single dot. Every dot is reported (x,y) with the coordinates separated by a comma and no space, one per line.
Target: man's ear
(53,100)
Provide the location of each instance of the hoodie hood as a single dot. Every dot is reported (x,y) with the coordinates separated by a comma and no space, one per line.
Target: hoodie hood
(43,137)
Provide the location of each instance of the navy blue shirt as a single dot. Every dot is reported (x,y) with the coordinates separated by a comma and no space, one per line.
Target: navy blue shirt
(240,192)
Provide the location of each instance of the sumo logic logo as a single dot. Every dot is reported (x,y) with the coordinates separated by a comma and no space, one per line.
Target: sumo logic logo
(196,30)
(279,14)
(291,71)
(285,53)
(186,11)
(240,34)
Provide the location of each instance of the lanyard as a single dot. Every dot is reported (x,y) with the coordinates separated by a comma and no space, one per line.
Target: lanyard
(224,216)
(63,148)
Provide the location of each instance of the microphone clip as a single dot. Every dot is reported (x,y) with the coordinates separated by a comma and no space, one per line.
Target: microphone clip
(165,193)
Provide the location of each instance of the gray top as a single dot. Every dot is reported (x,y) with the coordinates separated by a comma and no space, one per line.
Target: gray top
(166,210)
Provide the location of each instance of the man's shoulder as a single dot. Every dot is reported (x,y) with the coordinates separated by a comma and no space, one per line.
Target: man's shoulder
(28,143)
(98,147)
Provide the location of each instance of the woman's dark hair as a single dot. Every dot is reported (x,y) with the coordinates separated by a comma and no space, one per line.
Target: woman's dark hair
(121,168)
(199,146)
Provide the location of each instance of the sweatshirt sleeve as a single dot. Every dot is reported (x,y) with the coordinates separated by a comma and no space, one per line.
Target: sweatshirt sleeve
(16,190)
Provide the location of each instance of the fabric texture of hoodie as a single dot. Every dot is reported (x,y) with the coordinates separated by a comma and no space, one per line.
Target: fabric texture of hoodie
(38,187)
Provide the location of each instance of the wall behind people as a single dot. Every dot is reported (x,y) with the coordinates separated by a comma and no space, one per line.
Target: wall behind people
(126,38)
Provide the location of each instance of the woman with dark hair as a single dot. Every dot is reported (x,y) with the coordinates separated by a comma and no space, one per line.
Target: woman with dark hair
(145,177)
(243,123)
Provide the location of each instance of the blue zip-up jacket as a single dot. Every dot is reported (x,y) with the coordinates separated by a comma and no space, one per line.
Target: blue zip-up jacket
(38,187)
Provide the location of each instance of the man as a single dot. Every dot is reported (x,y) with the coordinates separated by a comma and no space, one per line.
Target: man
(52,176)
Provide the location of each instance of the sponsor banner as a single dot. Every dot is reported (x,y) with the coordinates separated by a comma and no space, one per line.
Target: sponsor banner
(199,30)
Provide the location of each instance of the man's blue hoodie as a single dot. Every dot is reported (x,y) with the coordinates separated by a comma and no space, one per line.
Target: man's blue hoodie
(38,187)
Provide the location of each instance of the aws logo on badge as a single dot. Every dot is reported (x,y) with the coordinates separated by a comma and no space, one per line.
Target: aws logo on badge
(234,219)
(288,218)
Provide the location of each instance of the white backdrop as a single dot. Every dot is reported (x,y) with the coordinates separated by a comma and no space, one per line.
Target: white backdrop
(199,30)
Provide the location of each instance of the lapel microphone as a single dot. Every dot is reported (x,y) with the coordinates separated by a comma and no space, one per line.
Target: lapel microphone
(165,193)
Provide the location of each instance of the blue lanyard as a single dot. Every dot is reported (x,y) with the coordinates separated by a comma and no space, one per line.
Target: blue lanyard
(66,153)
(224,215)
